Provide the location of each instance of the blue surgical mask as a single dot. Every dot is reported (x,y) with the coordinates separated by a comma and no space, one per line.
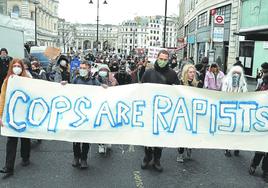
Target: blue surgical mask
(83,72)
(103,73)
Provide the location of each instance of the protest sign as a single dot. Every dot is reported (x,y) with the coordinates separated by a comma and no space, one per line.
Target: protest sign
(153,52)
(137,114)
(52,52)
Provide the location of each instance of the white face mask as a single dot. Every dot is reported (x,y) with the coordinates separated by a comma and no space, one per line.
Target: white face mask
(17,70)
(83,72)
(63,63)
(103,73)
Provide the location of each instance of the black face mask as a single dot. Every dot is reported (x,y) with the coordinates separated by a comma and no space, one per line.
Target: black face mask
(114,67)
(36,70)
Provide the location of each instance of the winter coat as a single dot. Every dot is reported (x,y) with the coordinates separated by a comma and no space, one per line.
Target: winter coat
(3,96)
(123,78)
(263,84)
(159,75)
(4,63)
(39,74)
(59,74)
(109,81)
(86,81)
(212,82)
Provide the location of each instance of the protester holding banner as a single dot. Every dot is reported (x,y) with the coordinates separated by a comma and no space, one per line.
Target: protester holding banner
(214,77)
(122,76)
(261,156)
(105,77)
(234,81)
(161,74)
(188,78)
(16,68)
(85,78)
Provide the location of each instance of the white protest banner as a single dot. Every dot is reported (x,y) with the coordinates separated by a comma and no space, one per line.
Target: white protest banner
(138,114)
(153,52)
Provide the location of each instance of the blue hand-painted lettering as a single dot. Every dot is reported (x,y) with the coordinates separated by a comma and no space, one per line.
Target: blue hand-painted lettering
(14,97)
(59,105)
(162,105)
(32,110)
(137,112)
(77,109)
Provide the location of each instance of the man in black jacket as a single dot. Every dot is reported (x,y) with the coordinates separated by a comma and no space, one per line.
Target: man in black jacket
(160,74)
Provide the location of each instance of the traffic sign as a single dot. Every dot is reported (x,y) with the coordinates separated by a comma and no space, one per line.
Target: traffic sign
(219,19)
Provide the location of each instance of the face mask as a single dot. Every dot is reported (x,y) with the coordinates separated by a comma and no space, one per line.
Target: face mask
(162,63)
(83,72)
(63,63)
(17,70)
(103,73)
(235,80)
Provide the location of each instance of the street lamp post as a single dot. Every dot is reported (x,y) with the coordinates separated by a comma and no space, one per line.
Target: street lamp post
(165,25)
(98,6)
(35,21)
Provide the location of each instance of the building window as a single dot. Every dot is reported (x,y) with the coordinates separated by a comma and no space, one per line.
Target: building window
(202,20)
(192,25)
(225,11)
(16,10)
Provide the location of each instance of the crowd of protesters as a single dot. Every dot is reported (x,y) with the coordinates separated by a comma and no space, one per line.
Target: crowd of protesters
(110,70)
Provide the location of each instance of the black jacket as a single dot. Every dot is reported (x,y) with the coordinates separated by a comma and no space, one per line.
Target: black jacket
(4,64)
(159,75)
(264,85)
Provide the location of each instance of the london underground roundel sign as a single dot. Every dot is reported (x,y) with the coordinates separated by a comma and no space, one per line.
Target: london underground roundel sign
(219,19)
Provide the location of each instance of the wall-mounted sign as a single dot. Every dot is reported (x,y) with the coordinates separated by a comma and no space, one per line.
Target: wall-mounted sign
(219,19)
(218,34)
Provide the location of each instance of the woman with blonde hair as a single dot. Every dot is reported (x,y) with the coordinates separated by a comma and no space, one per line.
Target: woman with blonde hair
(188,78)
(17,68)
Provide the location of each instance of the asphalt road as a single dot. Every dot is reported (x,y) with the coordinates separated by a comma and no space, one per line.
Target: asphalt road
(51,167)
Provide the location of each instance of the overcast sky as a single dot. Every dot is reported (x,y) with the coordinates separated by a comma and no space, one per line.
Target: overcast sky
(116,11)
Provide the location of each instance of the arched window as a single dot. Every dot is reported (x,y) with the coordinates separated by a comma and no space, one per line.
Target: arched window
(16,10)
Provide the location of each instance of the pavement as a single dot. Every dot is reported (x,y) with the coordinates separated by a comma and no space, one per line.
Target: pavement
(51,168)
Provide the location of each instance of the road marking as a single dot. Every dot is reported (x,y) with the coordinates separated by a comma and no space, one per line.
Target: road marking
(138,179)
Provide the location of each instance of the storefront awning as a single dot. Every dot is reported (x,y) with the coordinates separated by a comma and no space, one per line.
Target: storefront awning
(255,33)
